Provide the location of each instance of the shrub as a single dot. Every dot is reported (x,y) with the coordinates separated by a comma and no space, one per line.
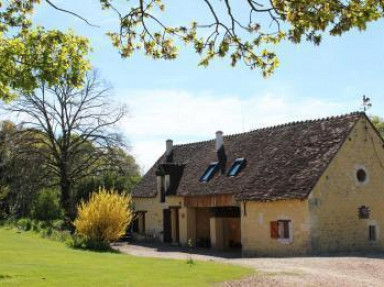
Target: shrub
(46,205)
(35,225)
(62,236)
(76,241)
(43,225)
(24,224)
(46,232)
(104,218)
(58,224)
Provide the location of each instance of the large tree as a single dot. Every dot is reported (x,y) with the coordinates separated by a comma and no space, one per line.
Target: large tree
(118,171)
(76,129)
(240,30)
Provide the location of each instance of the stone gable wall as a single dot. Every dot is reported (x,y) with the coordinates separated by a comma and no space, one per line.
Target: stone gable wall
(335,200)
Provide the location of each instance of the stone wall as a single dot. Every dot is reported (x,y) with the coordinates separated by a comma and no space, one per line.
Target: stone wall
(154,215)
(334,202)
(256,228)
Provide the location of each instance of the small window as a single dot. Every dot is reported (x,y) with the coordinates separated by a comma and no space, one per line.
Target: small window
(361,175)
(280,229)
(162,189)
(372,233)
(364,212)
(283,229)
(209,172)
(167,182)
(236,167)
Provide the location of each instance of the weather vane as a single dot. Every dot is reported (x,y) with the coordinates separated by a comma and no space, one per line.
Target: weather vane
(366,103)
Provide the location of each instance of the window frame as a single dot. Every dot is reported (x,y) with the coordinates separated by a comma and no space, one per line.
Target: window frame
(372,233)
(209,172)
(162,189)
(366,177)
(361,175)
(283,229)
(282,234)
(239,163)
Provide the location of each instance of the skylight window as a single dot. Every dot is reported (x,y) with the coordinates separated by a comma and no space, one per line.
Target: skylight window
(209,172)
(236,167)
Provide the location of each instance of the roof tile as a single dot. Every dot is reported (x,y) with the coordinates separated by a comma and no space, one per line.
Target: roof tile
(283,162)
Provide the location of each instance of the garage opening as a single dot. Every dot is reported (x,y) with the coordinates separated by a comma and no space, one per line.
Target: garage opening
(226,225)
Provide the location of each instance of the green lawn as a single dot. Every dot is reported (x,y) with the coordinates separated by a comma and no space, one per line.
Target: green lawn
(28,260)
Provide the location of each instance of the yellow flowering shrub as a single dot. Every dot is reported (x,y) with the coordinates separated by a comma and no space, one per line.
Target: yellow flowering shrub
(105,217)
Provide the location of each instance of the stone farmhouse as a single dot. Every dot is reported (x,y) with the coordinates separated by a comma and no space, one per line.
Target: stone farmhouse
(307,187)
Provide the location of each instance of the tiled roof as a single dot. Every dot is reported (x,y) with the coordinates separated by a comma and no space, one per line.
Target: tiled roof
(282,162)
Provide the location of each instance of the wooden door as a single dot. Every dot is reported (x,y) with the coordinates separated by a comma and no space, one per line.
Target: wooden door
(167,228)
(177,226)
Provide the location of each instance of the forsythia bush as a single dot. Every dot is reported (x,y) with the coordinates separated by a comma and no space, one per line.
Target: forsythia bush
(105,217)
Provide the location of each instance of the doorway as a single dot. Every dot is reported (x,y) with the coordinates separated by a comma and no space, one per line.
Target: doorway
(171,225)
(167,227)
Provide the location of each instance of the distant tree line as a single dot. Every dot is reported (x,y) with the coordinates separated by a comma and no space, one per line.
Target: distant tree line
(378,122)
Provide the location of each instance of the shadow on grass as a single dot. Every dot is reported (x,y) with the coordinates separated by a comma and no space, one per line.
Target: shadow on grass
(96,248)
(110,250)
(3,277)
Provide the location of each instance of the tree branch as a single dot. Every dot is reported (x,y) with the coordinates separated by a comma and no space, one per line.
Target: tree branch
(71,13)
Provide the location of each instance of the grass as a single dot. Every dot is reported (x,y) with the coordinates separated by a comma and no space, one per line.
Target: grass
(28,260)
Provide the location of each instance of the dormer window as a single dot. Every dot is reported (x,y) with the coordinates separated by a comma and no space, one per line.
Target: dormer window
(209,172)
(236,167)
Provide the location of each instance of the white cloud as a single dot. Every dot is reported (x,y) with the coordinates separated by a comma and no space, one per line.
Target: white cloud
(156,115)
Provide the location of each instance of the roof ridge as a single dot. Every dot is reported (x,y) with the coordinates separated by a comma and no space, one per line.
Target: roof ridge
(306,121)
(194,143)
(288,124)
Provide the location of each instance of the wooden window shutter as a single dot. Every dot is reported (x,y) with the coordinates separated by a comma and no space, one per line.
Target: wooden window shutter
(274,230)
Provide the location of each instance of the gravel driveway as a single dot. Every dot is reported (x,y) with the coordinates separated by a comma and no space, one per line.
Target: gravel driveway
(298,271)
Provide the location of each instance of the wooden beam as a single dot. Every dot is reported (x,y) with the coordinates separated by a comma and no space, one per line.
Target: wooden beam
(221,200)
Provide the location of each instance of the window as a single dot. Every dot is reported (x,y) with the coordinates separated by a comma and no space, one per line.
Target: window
(361,175)
(162,189)
(236,167)
(372,233)
(281,229)
(209,172)
(364,212)
(167,182)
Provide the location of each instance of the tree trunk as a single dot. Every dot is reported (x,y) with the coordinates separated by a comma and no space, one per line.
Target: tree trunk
(65,195)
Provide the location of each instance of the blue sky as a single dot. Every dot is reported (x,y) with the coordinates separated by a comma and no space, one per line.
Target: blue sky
(179,100)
